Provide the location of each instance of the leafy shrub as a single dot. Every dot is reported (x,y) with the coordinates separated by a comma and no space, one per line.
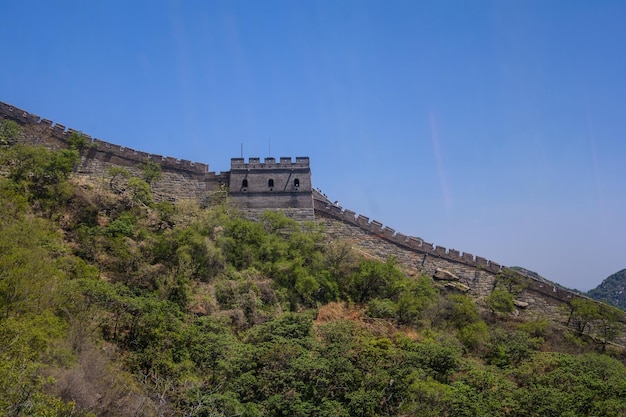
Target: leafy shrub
(140,190)
(77,141)
(41,174)
(382,309)
(122,226)
(510,348)
(535,328)
(458,310)
(500,302)
(374,279)
(474,335)
(151,171)
(9,131)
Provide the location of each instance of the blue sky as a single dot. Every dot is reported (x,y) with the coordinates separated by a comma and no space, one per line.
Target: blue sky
(490,127)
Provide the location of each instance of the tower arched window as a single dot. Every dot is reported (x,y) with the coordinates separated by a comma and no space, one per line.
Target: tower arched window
(244,183)
(270,183)
(296,183)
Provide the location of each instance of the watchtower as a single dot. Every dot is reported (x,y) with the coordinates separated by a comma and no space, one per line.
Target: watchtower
(271,185)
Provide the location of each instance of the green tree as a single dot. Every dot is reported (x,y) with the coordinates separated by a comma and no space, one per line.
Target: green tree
(35,297)
(609,324)
(556,384)
(78,142)
(428,398)
(582,312)
(484,391)
(415,297)
(374,279)
(242,242)
(510,348)
(122,226)
(474,335)
(40,173)
(29,280)
(140,190)
(459,311)
(382,308)
(151,171)
(500,302)
(511,281)
(9,131)
(277,223)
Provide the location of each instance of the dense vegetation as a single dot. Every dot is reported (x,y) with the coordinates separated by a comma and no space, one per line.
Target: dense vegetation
(113,305)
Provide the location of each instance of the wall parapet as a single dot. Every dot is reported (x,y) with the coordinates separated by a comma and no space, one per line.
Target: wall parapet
(323,206)
(269,163)
(375,227)
(101,149)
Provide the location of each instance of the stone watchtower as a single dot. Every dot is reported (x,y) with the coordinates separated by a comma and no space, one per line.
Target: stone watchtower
(267,185)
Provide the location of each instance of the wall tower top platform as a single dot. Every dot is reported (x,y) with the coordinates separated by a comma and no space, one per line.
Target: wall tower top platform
(271,184)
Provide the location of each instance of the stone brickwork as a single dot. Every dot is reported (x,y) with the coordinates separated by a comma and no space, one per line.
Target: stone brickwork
(285,184)
(299,214)
(372,239)
(181,178)
(269,184)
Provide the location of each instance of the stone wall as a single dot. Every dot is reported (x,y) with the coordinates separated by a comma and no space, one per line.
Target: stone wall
(299,214)
(372,239)
(181,179)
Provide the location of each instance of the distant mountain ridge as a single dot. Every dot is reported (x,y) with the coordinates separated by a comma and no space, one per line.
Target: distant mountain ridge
(612,290)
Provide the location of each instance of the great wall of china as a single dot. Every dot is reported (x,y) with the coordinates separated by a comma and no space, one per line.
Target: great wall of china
(185,179)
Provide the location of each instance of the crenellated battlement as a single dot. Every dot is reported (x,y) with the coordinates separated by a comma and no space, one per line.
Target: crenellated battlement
(57,135)
(166,162)
(255,184)
(268,163)
(478,273)
(375,227)
(270,184)
(21,116)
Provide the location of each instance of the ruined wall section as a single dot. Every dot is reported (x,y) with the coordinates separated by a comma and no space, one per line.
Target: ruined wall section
(181,178)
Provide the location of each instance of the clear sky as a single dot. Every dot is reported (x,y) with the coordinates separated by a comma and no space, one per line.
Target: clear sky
(491,127)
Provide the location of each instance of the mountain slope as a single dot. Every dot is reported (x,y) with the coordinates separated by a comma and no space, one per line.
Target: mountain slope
(612,290)
(112,304)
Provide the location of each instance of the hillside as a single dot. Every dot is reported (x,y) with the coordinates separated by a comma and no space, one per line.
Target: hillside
(113,304)
(612,290)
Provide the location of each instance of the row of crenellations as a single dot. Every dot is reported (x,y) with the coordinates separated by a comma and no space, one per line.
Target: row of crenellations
(61,133)
(269,163)
(377,228)
(416,244)
(390,234)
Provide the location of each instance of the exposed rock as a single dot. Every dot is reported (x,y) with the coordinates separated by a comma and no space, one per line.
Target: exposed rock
(443,274)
